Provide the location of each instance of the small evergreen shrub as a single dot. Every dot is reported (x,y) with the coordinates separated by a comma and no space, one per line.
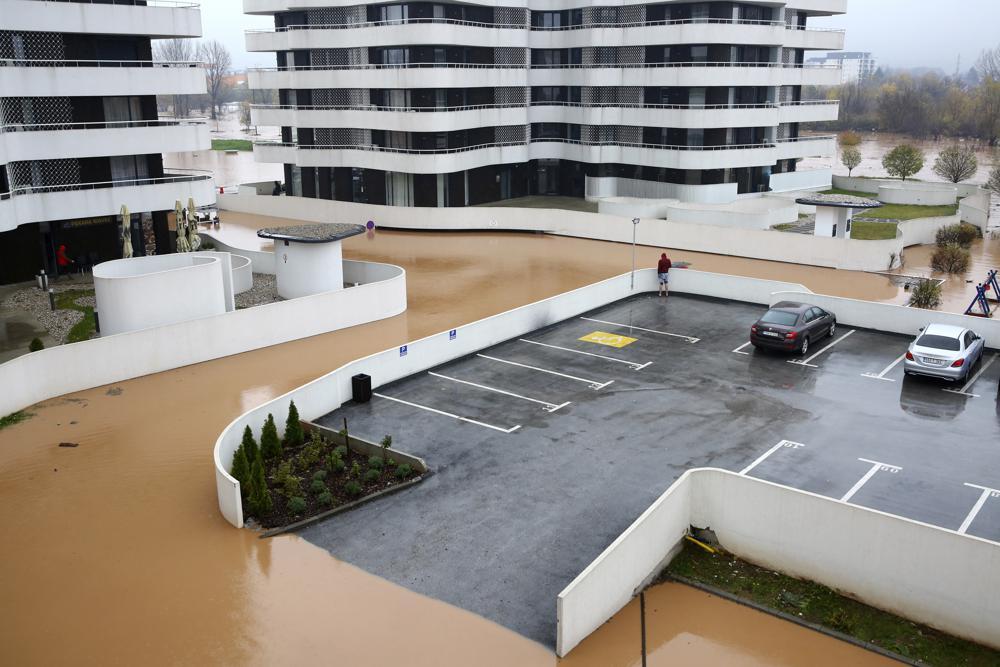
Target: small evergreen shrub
(249,445)
(355,470)
(341,451)
(294,436)
(372,475)
(950,259)
(404,471)
(260,502)
(292,486)
(297,505)
(35,345)
(270,445)
(386,444)
(311,454)
(353,489)
(375,462)
(325,499)
(317,486)
(337,464)
(320,474)
(241,469)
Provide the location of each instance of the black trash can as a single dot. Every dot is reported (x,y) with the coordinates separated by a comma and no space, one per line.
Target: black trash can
(361,388)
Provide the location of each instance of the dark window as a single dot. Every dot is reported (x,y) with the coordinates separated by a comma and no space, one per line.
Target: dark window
(782,317)
(939,342)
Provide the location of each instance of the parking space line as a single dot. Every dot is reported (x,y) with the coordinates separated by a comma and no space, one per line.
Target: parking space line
(633,365)
(594,384)
(986,493)
(448,414)
(549,407)
(881,376)
(805,362)
(739,350)
(763,457)
(690,339)
(965,390)
(876,467)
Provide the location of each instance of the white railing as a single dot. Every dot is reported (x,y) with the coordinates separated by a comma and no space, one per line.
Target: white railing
(533,103)
(420,65)
(30,62)
(502,144)
(96,125)
(65,187)
(176,4)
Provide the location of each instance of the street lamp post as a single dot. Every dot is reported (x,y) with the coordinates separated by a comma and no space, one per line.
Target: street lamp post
(635,226)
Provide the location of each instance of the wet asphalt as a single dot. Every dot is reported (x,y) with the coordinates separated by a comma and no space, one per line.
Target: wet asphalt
(560,450)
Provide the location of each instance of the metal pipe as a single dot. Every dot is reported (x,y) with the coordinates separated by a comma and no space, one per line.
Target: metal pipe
(635,226)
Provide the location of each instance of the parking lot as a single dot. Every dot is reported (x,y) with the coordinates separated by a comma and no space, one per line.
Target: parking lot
(544,448)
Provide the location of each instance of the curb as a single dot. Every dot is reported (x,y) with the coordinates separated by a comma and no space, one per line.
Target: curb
(707,588)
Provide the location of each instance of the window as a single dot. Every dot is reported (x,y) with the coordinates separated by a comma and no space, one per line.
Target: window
(780,317)
(939,342)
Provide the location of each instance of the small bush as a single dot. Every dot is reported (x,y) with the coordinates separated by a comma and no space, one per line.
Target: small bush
(341,451)
(241,470)
(249,445)
(294,436)
(353,489)
(312,453)
(962,235)
(270,445)
(372,475)
(404,471)
(386,444)
(297,505)
(35,345)
(336,464)
(950,259)
(259,501)
(849,138)
(375,462)
(926,294)
(325,499)
(320,474)
(355,470)
(317,486)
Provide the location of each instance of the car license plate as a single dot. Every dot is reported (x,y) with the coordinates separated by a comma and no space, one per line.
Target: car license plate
(771,334)
(932,362)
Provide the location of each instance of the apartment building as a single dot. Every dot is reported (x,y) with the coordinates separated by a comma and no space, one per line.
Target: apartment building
(454,104)
(855,66)
(80,134)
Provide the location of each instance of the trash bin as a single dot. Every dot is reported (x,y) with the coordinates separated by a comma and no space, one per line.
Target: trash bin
(361,388)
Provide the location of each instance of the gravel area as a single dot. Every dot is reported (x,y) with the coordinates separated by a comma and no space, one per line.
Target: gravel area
(264,290)
(36,302)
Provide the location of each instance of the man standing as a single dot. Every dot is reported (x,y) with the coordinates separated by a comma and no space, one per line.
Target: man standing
(663,270)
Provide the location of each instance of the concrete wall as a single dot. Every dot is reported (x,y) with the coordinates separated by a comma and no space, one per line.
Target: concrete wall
(807,179)
(760,213)
(889,562)
(65,369)
(942,195)
(871,185)
(609,186)
(975,209)
(635,207)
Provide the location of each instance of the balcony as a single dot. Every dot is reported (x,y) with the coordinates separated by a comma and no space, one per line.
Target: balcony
(156,18)
(818,146)
(82,200)
(411,31)
(819,7)
(19,143)
(402,119)
(689,74)
(809,111)
(89,78)
(679,31)
(409,75)
(814,39)
(656,115)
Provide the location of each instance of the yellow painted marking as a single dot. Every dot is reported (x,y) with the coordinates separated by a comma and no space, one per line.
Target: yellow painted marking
(609,339)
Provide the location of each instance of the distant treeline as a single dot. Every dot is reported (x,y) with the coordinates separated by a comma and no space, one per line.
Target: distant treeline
(925,106)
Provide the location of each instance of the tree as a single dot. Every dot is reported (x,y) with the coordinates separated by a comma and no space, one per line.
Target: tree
(217,63)
(260,496)
(176,50)
(294,437)
(270,445)
(903,161)
(249,445)
(993,183)
(988,65)
(241,469)
(245,117)
(850,157)
(956,164)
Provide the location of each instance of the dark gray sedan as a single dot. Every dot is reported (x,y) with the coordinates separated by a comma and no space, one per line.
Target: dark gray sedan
(792,327)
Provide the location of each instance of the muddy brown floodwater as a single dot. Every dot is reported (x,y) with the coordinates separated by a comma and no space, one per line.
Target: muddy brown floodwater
(115,551)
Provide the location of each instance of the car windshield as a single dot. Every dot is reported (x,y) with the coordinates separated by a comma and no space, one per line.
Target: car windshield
(939,342)
(782,317)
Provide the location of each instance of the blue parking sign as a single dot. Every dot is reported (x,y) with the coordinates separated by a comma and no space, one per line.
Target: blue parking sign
(453,334)
(403,351)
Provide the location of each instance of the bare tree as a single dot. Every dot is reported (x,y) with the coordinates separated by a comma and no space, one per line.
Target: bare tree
(994,181)
(245,117)
(988,64)
(217,63)
(956,164)
(176,50)
(850,157)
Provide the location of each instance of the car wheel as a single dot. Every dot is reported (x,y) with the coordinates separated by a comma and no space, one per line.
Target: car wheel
(804,348)
(833,329)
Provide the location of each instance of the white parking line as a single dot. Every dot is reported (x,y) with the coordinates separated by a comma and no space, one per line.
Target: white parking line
(448,414)
(881,376)
(549,407)
(739,350)
(763,457)
(965,390)
(633,365)
(805,362)
(876,467)
(986,493)
(690,339)
(594,384)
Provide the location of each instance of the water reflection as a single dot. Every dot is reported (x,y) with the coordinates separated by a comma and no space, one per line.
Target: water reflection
(924,398)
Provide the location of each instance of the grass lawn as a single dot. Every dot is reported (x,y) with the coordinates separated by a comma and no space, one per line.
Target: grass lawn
(864,230)
(85,328)
(896,211)
(820,605)
(850,193)
(232,145)
(785,226)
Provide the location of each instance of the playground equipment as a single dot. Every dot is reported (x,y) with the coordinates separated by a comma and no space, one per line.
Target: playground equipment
(982,299)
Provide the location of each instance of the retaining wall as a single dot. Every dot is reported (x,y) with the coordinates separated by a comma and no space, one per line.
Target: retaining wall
(871,185)
(902,566)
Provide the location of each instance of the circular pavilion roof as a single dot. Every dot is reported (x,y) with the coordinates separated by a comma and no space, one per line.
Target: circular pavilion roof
(842,201)
(316,232)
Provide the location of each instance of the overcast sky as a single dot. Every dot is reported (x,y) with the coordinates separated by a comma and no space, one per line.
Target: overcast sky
(901,33)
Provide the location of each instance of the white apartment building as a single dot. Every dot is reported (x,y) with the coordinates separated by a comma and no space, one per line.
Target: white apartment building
(854,66)
(453,104)
(79,130)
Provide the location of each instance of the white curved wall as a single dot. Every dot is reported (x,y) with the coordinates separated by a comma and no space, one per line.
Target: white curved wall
(308,268)
(920,196)
(634,207)
(102,18)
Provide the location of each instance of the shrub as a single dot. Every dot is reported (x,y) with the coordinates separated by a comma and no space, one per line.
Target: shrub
(249,445)
(297,505)
(325,499)
(926,294)
(355,470)
(849,138)
(353,489)
(35,345)
(950,259)
(320,474)
(341,451)
(956,164)
(260,497)
(404,471)
(372,475)
(993,182)
(375,462)
(962,235)
(312,453)
(241,469)
(270,445)
(292,486)
(903,161)
(386,444)
(317,486)
(336,464)
(294,436)
(850,157)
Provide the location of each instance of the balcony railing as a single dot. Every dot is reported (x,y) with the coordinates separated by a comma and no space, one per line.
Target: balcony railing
(462,149)
(69,187)
(818,137)
(533,103)
(98,125)
(176,4)
(806,103)
(25,62)
(389,66)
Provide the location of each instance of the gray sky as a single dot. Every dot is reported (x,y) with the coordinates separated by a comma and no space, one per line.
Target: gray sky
(901,33)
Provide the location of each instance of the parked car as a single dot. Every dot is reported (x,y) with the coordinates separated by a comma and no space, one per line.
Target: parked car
(792,327)
(944,351)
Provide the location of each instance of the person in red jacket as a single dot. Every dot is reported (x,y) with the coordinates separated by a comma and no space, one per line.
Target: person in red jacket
(663,271)
(62,261)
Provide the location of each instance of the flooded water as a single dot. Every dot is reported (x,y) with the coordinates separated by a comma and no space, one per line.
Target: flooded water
(229,168)
(957,291)
(115,552)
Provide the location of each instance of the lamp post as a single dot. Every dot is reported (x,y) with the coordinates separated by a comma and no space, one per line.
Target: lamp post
(635,226)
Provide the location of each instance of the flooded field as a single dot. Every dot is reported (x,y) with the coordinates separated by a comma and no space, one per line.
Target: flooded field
(115,552)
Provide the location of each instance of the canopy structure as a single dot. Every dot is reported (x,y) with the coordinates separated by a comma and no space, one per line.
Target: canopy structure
(835,213)
(308,258)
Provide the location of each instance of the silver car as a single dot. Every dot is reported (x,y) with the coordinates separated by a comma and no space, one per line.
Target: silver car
(944,351)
